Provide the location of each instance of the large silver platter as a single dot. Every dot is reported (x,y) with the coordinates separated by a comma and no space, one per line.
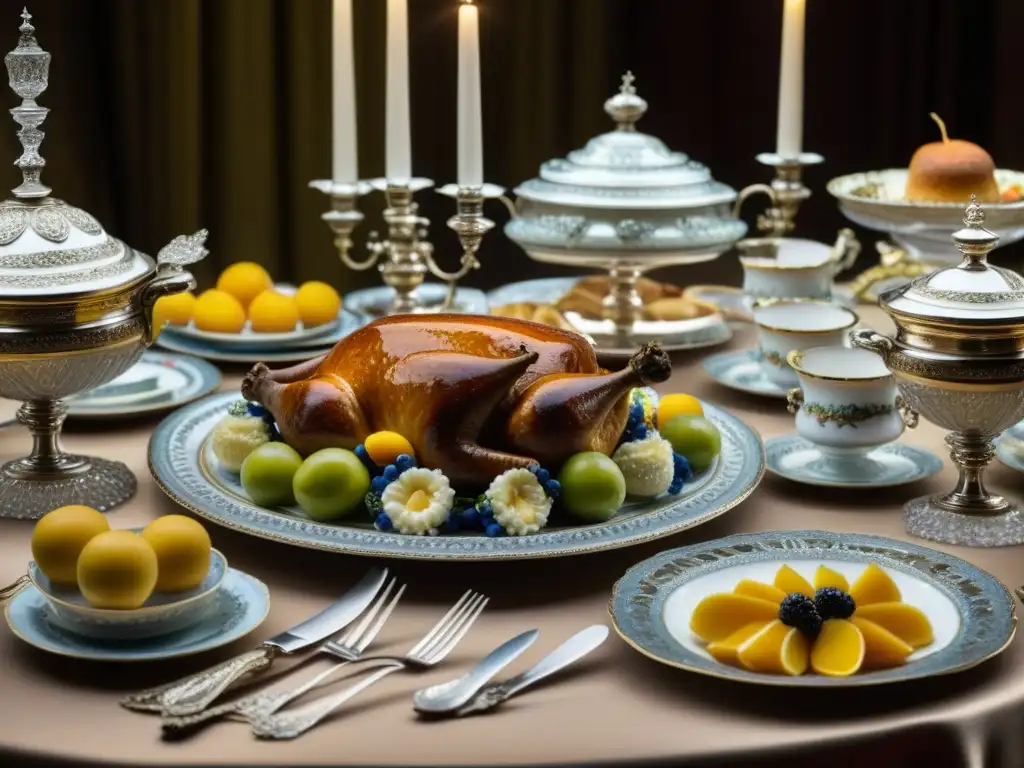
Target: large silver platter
(188,472)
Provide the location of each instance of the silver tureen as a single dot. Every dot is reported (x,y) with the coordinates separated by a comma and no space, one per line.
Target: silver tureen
(627,204)
(76,310)
(958,360)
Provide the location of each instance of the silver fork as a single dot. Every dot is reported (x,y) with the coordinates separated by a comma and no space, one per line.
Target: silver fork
(432,649)
(354,642)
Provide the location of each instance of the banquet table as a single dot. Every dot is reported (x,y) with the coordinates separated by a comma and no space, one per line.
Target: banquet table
(615,708)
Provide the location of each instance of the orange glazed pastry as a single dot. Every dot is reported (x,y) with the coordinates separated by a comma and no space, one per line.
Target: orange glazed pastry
(950,171)
(475,395)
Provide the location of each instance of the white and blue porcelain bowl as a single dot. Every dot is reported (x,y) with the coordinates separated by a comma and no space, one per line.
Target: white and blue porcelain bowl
(784,326)
(162,614)
(846,403)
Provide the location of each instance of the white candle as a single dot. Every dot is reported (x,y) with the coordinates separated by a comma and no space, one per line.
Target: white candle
(345,163)
(789,138)
(470,134)
(397,144)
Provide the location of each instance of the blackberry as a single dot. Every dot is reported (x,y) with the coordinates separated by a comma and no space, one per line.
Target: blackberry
(373,504)
(797,610)
(833,603)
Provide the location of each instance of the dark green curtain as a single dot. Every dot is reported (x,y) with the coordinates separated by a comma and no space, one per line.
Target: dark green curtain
(169,115)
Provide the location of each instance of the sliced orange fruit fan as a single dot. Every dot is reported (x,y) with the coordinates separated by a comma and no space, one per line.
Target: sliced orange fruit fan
(831,628)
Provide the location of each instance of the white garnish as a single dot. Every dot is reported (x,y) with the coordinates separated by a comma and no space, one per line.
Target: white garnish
(418,501)
(235,437)
(646,465)
(520,505)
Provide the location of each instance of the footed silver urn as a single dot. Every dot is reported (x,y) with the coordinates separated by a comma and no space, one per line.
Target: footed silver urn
(76,310)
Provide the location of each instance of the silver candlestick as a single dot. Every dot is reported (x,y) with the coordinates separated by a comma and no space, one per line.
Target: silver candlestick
(29,67)
(787,191)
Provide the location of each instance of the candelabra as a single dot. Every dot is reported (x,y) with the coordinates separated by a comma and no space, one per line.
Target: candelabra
(787,192)
(405,257)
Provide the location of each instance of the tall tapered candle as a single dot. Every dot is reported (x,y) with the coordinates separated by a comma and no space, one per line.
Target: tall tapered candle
(470,133)
(345,164)
(397,143)
(789,138)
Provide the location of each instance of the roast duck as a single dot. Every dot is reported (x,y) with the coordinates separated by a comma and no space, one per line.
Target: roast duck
(474,395)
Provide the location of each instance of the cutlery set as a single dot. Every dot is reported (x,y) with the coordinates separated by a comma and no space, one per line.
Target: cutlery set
(187,704)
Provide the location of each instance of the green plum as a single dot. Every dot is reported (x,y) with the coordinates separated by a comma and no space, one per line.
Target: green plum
(593,487)
(267,474)
(331,483)
(695,438)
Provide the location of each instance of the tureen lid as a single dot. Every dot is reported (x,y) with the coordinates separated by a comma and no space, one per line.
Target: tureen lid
(626,169)
(972,291)
(48,247)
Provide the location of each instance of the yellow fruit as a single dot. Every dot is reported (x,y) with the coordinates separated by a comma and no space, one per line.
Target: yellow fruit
(776,649)
(826,577)
(789,581)
(385,447)
(882,649)
(60,536)
(173,310)
(245,281)
(752,588)
(182,548)
(273,312)
(318,303)
(839,649)
(218,312)
(908,623)
(718,616)
(117,569)
(874,586)
(670,406)
(725,650)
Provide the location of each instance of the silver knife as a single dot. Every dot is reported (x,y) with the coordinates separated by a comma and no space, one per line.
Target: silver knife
(573,649)
(195,693)
(447,697)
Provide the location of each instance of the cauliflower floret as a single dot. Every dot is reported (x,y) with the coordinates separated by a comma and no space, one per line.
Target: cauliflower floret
(647,465)
(236,436)
(519,502)
(419,501)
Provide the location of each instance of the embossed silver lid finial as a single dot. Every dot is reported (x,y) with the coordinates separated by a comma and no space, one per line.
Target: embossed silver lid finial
(974,241)
(28,69)
(626,107)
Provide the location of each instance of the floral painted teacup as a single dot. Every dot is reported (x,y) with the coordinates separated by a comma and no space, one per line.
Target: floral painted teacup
(784,326)
(846,404)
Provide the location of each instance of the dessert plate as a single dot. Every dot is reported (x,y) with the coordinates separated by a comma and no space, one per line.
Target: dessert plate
(371,303)
(249,339)
(742,371)
(160,381)
(796,459)
(971,613)
(242,603)
(187,471)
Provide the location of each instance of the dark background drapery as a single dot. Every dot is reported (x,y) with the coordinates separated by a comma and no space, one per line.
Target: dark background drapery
(170,115)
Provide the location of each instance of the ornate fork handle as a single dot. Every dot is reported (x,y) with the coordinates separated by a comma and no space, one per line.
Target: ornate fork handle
(291,724)
(194,694)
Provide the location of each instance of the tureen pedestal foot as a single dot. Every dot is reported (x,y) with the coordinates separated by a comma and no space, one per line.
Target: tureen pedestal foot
(49,478)
(968,515)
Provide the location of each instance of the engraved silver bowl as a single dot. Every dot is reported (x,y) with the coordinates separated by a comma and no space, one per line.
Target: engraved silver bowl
(958,360)
(76,311)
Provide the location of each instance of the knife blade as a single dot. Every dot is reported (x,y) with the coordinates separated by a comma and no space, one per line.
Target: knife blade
(195,693)
(573,649)
(447,697)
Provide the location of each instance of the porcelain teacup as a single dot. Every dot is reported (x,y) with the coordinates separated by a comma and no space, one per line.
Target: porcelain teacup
(794,268)
(846,405)
(784,326)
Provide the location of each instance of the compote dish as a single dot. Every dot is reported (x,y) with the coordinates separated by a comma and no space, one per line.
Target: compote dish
(958,359)
(76,311)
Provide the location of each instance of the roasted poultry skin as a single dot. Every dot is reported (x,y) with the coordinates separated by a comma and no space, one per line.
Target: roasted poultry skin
(475,395)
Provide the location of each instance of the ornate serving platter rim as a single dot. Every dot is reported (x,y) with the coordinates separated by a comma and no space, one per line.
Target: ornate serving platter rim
(638,600)
(175,461)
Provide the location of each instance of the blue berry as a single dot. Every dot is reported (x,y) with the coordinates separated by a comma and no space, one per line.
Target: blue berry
(553,488)
(378,484)
(383,522)
(493,529)
(255,409)
(404,462)
(543,476)
(470,518)
(365,458)
(452,524)
(485,508)
(534,468)
(390,473)
(834,603)
(682,471)
(797,610)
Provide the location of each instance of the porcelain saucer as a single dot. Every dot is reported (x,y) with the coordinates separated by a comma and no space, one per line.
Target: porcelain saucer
(372,303)
(242,604)
(742,371)
(796,459)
